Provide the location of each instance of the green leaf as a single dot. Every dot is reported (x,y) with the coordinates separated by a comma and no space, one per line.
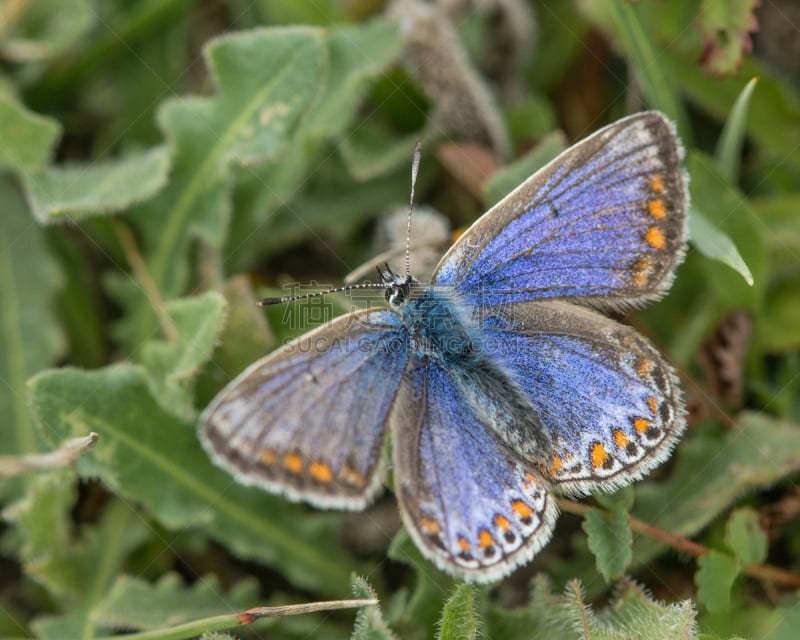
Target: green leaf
(26,138)
(715,245)
(758,453)
(727,210)
(714,580)
(423,607)
(173,364)
(778,331)
(149,455)
(132,603)
(460,620)
(726,26)
(511,176)
(266,81)
(744,536)
(246,336)
(356,55)
(656,84)
(369,623)
(76,571)
(70,193)
(609,535)
(632,614)
(45,29)
(774,121)
(30,339)
(731,140)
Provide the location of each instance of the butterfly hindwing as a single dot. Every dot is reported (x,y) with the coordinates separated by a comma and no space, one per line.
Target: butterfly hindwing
(309,420)
(611,405)
(469,503)
(605,222)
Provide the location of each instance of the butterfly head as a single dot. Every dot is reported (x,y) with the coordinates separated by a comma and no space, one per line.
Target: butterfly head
(398,288)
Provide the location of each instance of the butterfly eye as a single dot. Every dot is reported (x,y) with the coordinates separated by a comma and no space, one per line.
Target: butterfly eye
(395,295)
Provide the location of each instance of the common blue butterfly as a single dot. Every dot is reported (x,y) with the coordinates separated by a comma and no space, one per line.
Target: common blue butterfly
(501,383)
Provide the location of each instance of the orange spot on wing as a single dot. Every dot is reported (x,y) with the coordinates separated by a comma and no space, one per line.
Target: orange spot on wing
(268,456)
(352,476)
(321,472)
(620,439)
(557,464)
(657,209)
(485,539)
(653,404)
(644,367)
(464,545)
(599,455)
(430,526)
(657,183)
(641,425)
(655,238)
(530,477)
(522,509)
(293,462)
(502,522)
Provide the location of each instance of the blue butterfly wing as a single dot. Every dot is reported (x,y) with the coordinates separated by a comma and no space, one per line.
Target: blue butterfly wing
(308,421)
(471,505)
(610,404)
(604,222)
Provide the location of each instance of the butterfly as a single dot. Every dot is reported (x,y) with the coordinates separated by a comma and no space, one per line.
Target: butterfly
(501,382)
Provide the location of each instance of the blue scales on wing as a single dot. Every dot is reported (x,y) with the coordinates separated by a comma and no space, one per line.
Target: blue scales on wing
(602,224)
(609,402)
(297,422)
(468,501)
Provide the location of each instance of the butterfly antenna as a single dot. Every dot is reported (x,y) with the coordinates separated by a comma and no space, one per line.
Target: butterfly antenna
(414,170)
(265,302)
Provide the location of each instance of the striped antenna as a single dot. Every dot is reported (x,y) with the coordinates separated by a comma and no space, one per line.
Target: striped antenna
(414,171)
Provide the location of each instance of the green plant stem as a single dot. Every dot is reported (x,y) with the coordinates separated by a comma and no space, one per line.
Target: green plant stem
(758,571)
(219,623)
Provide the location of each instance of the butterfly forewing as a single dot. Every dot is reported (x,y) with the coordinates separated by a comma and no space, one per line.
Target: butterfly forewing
(604,223)
(469,503)
(309,420)
(609,402)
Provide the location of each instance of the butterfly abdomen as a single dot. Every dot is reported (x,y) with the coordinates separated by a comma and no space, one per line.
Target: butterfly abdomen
(443,330)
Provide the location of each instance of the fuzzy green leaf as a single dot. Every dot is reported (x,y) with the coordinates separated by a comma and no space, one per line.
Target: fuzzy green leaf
(153,457)
(460,620)
(174,364)
(632,614)
(132,603)
(266,79)
(715,576)
(246,336)
(26,138)
(30,339)
(758,453)
(744,536)
(77,571)
(424,605)
(609,535)
(356,55)
(70,193)
(369,623)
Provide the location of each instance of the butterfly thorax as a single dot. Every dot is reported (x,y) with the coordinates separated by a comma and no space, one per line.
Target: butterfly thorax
(440,326)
